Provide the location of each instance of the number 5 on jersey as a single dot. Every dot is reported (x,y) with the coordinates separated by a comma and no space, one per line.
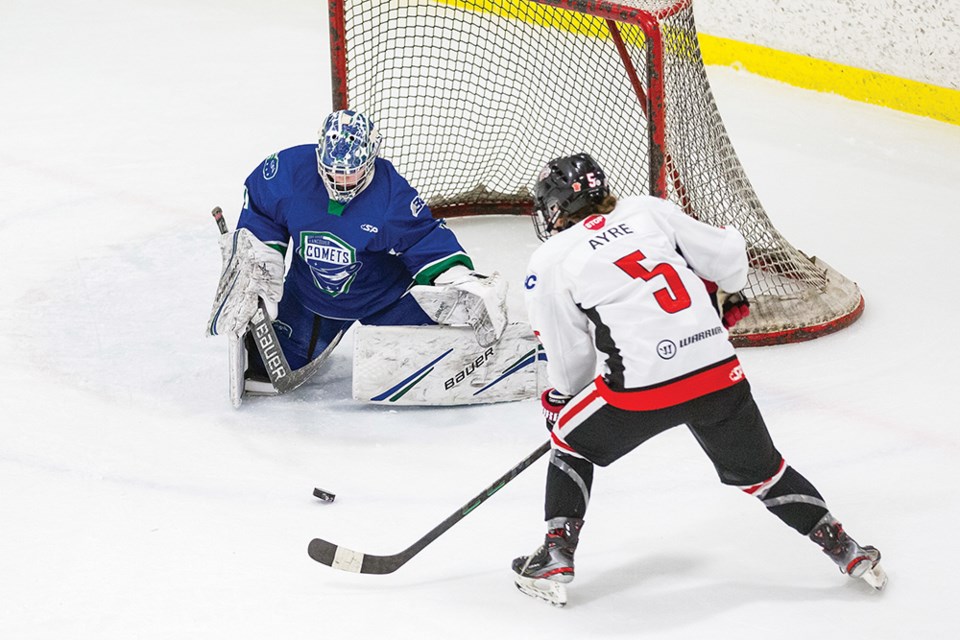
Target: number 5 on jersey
(671,298)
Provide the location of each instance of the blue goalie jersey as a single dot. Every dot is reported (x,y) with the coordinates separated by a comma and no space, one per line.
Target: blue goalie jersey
(352,260)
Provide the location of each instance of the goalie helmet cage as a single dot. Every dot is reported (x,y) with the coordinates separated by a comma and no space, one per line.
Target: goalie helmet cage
(475,96)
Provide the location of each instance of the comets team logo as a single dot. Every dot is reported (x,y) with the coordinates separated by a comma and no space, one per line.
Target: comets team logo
(332,261)
(271,166)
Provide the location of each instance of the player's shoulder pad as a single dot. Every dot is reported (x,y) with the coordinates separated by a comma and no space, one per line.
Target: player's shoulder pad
(282,173)
(547,254)
(406,206)
(644,203)
(662,213)
(286,168)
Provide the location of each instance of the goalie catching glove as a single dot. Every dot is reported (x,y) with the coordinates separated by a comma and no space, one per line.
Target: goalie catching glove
(251,271)
(461,297)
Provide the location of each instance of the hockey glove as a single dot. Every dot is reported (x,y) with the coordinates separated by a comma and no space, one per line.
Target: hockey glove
(713,291)
(251,271)
(734,308)
(462,297)
(553,401)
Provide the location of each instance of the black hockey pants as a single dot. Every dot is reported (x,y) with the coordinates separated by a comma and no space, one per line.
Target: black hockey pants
(730,429)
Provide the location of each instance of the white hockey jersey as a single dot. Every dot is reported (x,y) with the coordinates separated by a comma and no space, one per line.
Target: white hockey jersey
(620,296)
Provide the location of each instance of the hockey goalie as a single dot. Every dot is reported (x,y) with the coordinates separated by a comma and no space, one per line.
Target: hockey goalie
(365,249)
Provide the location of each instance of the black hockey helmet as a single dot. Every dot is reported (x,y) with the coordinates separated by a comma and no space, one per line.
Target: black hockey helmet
(566,187)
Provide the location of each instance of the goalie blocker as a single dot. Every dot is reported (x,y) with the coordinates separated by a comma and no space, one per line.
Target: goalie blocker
(443,365)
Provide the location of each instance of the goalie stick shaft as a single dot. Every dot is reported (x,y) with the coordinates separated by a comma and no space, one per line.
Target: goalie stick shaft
(345,559)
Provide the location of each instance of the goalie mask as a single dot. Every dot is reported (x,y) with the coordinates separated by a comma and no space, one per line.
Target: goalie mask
(565,188)
(347,148)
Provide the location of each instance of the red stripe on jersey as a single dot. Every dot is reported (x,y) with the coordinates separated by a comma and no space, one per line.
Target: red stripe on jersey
(721,376)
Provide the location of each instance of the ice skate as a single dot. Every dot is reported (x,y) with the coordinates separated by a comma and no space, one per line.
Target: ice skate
(544,573)
(852,559)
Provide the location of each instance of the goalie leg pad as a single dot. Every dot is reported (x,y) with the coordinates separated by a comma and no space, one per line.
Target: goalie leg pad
(237,358)
(441,365)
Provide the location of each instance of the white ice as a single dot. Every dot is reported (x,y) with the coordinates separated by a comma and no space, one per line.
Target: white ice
(136,503)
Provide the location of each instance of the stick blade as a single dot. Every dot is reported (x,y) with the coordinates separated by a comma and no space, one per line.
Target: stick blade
(351,561)
(326,553)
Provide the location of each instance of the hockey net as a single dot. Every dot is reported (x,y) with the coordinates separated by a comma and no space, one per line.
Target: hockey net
(474,96)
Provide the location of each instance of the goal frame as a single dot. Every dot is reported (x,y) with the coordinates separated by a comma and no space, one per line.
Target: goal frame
(662,175)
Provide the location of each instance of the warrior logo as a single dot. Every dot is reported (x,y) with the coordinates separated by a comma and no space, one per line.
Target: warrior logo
(666,349)
(332,261)
(271,166)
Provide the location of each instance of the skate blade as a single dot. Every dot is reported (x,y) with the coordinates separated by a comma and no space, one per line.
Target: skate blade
(869,570)
(553,592)
(876,577)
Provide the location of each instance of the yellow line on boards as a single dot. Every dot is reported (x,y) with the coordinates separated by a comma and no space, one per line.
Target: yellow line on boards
(872,87)
(911,96)
(538,14)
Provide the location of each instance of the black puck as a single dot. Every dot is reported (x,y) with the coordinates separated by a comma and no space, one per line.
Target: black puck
(326,496)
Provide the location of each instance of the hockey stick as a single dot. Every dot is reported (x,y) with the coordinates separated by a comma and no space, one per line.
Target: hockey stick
(282,377)
(347,560)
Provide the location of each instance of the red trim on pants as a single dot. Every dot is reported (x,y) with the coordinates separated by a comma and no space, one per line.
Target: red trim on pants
(570,412)
(721,376)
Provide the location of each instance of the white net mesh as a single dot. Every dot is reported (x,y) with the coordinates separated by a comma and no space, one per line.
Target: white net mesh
(474,96)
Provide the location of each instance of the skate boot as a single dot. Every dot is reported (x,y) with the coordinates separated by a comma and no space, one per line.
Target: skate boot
(544,573)
(852,559)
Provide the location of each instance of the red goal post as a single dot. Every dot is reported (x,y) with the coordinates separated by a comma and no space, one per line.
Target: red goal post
(474,96)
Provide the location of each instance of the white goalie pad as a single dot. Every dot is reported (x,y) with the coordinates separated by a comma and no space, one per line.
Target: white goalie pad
(237,356)
(441,365)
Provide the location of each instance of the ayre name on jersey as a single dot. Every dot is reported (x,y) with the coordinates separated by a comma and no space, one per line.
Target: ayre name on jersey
(600,239)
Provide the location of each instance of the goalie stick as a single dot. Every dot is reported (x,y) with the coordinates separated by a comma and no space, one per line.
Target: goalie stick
(345,559)
(282,377)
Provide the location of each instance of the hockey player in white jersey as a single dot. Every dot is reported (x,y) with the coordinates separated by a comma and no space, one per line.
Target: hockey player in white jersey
(635,346)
